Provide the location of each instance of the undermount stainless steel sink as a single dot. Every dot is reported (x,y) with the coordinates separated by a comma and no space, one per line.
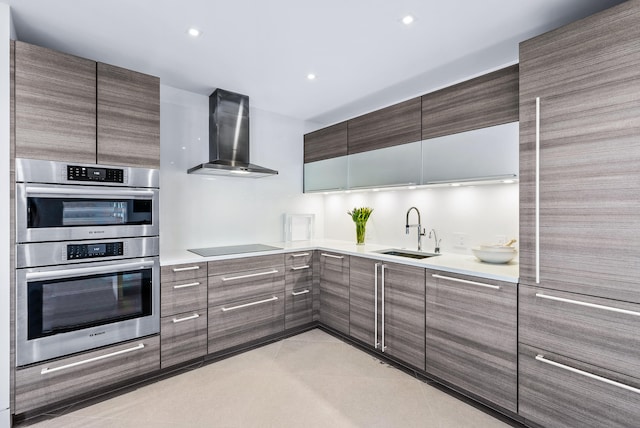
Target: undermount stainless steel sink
(407,253)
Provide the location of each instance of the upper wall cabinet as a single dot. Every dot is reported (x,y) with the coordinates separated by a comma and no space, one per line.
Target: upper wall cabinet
(481,154)
(390,166)
(488,100)
(55,105)
(71,109)
(128,117)
(326,175)
(391,126)
(326,143)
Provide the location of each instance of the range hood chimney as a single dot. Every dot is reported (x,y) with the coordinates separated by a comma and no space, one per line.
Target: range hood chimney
(229,138)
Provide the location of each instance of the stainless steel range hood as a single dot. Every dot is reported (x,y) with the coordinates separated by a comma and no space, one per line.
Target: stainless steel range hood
(229,138)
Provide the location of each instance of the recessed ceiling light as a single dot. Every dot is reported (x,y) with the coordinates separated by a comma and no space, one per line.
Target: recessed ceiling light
(311,76)
(508,181)
(411,187)
(194,32)
(455,184)
(407,20)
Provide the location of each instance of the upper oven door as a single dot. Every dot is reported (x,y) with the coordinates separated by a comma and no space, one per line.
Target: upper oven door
(49,212)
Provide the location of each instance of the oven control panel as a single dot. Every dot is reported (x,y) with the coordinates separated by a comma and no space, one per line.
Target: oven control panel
(87,173)
(89,251)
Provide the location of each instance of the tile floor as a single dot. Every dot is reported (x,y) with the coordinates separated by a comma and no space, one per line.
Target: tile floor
(309,380)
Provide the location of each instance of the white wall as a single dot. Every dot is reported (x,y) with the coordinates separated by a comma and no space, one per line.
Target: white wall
(5,269)
(200,211)
(480,212)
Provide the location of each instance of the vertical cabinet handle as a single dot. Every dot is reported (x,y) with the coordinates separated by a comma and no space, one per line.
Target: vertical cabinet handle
(537,205)
(383,347)
(375,306)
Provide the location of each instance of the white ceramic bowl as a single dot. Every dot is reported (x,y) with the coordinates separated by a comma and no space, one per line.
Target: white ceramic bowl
(494,256)
(501,248)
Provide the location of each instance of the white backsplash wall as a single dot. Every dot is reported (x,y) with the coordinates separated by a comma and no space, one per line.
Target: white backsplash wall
(200,211)
(480,213)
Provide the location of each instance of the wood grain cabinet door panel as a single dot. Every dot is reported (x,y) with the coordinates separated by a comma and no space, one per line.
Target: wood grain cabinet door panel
(390,126)
(597,331)
(403,314)
(362,300)
(128,117)
(471,335)
(43,384)
(55,105)
(298,307)
(488,100)
(559,392)
(188,291)
(326,143)
(334,290)
(183,337)
(586,76)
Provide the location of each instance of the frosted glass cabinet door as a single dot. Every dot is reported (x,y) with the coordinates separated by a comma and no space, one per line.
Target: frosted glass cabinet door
(479,154)
(326,175)
(391,166)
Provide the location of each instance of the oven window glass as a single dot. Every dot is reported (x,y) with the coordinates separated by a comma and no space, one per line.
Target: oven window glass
(63,305)
(70,212)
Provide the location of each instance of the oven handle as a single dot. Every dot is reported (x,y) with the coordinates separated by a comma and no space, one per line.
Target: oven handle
(66,273)
(101,193)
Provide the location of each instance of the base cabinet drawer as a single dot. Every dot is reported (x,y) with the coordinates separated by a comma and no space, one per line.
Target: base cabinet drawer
(598,331)
(555,391)
(242,321)
(57,380)
(298,307)
(183,296)
(184,272)
(183,337)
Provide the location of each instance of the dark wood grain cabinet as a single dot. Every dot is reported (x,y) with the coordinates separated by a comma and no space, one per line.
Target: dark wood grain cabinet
(73,109)
(55,105)
(579,121)
(387,304)
(54,381)
(246,300)
(300,289)
(128,106)
(334,290)
(183,312)
(326,143)
(585,77)
(487,100)
(559,392)
(471,333)
(390,126)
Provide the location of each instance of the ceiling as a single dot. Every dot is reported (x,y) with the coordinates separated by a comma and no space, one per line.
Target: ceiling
(363,55)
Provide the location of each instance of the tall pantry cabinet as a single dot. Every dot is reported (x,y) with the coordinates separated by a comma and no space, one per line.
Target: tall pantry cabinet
(579,300)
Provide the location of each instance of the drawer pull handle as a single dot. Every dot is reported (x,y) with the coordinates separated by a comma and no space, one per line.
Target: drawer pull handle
(589,305)
(246,305)
(300,255)
(332,256)
(299,293)
(191,284)
(190,317)
(186,268)
(537,213)
(542,359)
(251,275)
(300,267)
(464,281)
(47,370)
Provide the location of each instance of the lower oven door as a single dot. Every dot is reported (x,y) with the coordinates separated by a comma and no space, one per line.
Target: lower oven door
(66,309)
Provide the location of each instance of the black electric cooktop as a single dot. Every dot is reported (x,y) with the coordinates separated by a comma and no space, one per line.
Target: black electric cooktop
(232,249)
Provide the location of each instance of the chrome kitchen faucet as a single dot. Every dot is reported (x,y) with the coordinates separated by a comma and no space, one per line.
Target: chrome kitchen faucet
(421,232)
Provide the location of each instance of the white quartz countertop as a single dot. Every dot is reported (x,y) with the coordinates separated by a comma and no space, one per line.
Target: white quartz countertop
(454,263)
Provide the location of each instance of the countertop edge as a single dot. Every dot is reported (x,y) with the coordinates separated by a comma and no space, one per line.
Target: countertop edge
(453,263)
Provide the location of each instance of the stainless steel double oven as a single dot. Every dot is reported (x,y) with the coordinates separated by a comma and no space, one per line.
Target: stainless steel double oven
(87,260)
